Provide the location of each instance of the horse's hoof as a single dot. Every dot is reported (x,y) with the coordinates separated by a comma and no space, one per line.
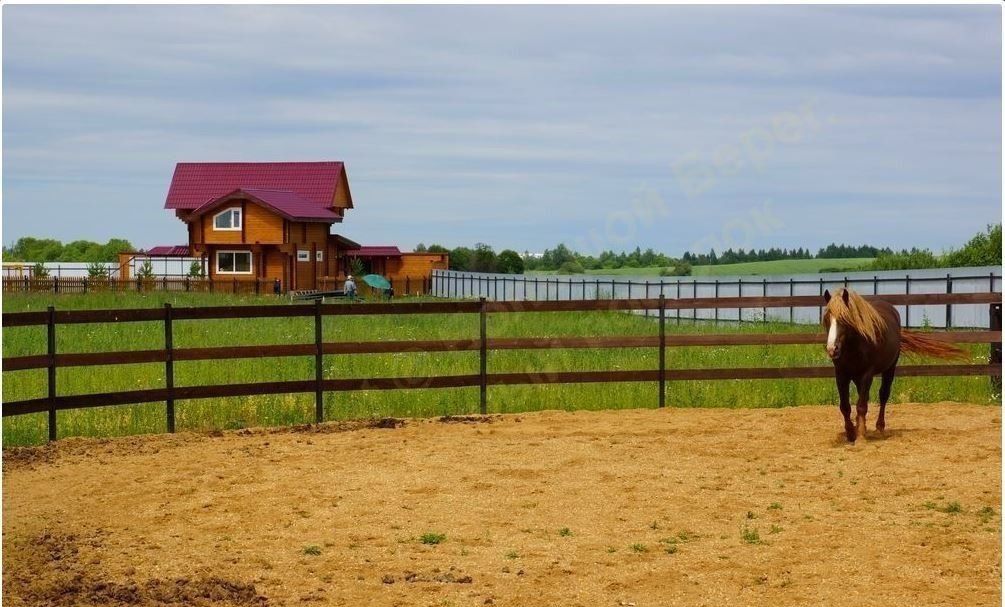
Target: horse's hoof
(852,435)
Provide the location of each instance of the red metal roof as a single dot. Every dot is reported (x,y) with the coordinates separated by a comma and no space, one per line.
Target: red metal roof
(196,183)
(375,251)
(287,204)
(169,251)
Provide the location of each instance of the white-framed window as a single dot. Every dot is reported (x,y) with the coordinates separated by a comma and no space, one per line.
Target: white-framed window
(303,255)
(319,255)
(227,220)
(233,262)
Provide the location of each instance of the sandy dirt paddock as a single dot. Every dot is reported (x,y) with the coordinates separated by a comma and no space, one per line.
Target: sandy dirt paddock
(646,507)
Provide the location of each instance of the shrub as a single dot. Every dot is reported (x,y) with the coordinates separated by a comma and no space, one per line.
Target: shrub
(195,270)
(96,270)
(571,267)
(39,271)
(680,268)
(146,270)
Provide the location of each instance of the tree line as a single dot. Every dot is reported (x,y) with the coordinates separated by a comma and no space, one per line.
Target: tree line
(982,249)
(40,250)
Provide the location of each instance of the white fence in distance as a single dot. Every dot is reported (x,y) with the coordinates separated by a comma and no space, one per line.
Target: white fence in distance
(518,287)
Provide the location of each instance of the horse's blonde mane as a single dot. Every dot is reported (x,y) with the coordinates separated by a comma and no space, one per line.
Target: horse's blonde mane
(857,314)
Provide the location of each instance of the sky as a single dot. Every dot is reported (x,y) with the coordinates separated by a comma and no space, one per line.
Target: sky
(672,127)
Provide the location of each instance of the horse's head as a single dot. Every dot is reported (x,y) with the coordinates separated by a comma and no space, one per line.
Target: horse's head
(832,320)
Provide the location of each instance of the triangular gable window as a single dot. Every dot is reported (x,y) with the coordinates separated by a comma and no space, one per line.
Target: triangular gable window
(227,220)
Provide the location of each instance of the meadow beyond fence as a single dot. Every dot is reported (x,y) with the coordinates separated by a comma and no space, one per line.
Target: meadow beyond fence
(510,287)
(656,337)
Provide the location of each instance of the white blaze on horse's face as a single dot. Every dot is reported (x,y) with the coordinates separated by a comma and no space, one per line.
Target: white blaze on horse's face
(833,349)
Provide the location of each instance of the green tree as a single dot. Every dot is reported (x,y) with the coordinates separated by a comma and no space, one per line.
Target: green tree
(96,269)
(460,259)
(984,249)
(484,258)
(437,248)
(509,262)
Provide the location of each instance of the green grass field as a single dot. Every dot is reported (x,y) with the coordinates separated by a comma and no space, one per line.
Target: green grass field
(289,409)
(761,268)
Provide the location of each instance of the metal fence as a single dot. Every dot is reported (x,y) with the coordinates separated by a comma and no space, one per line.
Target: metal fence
(510,287)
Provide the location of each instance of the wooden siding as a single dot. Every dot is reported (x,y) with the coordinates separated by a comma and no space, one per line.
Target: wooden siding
(416,265)
(263,226)
(258,226)
(342,192)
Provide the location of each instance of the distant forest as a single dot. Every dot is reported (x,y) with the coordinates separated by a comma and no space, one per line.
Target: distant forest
(983,249)
(38,250)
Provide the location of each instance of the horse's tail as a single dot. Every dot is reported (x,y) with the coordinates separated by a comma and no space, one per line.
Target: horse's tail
(927,344)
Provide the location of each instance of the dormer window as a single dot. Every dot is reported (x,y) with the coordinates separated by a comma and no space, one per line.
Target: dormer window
(227,220)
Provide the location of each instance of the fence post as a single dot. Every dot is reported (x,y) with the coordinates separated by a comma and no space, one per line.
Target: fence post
(764,293)
(678,299)
(85,285)
(535,288)
(820,309)
(663,351)
(949,307)
(995,355)
(319,396)
(482,360)
(51,341)
(55,284)
(875,285)
(717,297)
(792,309)
(164,282)
(739,293)
(907,307)
(169,365)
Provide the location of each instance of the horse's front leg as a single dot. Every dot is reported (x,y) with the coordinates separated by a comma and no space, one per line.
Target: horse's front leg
(862,408)
(844,387)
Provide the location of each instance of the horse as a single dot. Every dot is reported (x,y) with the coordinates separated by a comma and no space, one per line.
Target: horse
(864,339)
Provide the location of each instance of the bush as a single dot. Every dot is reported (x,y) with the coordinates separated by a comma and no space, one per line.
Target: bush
(509,262)
(680,268)
(96,270)
(145,271)
(571,267)
(39,271)
(195,270)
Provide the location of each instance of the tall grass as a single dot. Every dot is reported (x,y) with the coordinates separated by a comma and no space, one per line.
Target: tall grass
(289,409)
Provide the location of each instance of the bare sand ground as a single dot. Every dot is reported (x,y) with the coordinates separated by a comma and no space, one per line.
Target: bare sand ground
(644,507)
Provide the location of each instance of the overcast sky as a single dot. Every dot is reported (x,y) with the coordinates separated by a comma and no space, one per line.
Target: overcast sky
(671,127)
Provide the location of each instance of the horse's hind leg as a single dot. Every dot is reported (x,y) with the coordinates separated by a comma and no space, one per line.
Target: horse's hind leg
(862,408)
(884,395)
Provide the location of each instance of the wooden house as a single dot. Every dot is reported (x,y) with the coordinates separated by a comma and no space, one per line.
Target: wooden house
(264,220)
(273,220)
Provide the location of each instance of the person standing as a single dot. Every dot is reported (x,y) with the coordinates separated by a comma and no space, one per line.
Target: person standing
(350,288)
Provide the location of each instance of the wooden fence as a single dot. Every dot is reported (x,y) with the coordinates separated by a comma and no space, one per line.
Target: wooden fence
(82,284)
(168,355)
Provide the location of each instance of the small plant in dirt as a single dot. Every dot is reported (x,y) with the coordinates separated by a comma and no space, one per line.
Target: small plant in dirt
(611,550)
(751,515)
(512,554)
(775,506)
(687,536)
(639,548)
(565,532)
(986,513)
(951,508)
(671,549)
(750,536)
(312,550)
(432,538)
(775,529)
(654,525)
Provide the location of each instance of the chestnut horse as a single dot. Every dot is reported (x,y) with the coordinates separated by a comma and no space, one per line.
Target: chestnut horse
(864,340)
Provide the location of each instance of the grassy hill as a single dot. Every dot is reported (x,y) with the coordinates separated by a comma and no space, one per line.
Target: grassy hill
(763,268)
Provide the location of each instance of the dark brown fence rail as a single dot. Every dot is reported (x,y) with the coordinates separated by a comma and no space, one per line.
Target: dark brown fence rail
(169,355)
(83,284)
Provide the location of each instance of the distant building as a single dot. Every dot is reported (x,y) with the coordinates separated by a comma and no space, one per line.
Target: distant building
(269,220)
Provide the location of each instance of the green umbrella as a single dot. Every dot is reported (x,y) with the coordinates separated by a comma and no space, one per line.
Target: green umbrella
(376,281)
